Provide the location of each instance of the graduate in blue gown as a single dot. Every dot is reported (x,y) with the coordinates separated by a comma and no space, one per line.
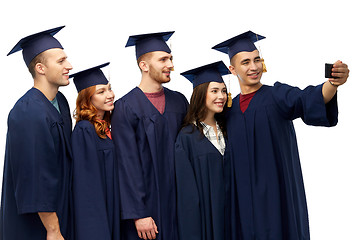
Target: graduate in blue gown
(270,190)
(202,163)
(37,167)
(95,186)
(145,123)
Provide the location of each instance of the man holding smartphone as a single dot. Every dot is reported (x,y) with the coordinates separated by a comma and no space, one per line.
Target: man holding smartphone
(270,195)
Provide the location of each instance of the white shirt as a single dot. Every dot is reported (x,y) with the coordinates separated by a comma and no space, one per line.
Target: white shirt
(219,141)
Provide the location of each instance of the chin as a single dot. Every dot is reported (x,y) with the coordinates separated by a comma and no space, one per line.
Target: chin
(64,84)
(167,78)
(164,80)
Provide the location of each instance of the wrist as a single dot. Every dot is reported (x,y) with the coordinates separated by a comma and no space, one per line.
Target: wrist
(332,84)
(53,229)
(54,235)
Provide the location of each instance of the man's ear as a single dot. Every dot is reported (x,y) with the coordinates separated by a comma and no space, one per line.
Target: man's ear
(40,68)
(144,66)
(232,70)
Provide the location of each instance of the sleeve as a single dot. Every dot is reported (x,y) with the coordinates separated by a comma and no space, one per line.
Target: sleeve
(188,202)
(35,167)
(307,104)
(132,182)
(89,191)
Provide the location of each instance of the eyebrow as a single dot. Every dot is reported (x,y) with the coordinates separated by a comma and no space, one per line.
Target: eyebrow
(167,56)
(62,58)
(248,59)
(100,89)
(245,60)
(103,88)
(217,88)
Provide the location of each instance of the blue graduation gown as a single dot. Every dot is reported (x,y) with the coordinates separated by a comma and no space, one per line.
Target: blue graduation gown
(37,167)
(95,187)
(269,184)
(203,188)
(144,140)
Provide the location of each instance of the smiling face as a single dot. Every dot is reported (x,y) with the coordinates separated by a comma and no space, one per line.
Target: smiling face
(247,66)
(56,67)
(103,99)
(216,97)
(159,66)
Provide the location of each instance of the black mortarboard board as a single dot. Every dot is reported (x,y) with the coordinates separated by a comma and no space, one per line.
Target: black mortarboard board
(241,43)
(207,73)
(151,42)
(37,43)
(89,77)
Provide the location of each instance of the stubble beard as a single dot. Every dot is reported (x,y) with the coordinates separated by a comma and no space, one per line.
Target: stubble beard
(158,76)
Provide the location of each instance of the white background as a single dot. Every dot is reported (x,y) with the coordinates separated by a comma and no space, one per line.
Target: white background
(301,37)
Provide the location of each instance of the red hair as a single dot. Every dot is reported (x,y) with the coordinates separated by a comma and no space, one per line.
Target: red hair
(85,110)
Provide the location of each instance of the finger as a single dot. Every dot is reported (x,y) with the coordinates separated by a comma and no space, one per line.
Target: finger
(340,70)
(148,235)
(152,234)
(144,236)
(139,234)
(340,66)
(340,74)
(155,227)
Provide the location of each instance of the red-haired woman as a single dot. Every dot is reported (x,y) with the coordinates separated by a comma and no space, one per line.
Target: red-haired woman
(201,161)
(95,180)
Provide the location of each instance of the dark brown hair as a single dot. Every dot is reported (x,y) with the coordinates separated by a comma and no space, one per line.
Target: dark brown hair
(85,110)
(197,110)
(144,57)
(40,58)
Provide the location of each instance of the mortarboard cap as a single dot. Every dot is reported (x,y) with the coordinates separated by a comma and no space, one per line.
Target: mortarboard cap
(241,43)
(89,77)
(151,42)
(207,73)
(37,43)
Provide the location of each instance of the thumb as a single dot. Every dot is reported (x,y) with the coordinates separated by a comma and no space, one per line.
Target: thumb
(155,227)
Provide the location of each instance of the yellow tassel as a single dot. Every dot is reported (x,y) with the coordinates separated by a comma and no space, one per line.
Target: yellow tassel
(263,65)
(229,102)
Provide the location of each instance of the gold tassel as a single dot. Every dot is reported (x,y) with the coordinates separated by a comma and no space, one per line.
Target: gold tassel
(229,102)
(263,65)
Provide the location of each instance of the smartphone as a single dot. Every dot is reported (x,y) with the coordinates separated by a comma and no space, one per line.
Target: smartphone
(328,67)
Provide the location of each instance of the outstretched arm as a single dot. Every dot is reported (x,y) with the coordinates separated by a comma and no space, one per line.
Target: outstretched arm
(329,89)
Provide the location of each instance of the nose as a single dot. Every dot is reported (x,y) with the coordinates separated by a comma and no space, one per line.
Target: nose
(222,95)
(170,64)
(69,66)
(110,94)
(255,65)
